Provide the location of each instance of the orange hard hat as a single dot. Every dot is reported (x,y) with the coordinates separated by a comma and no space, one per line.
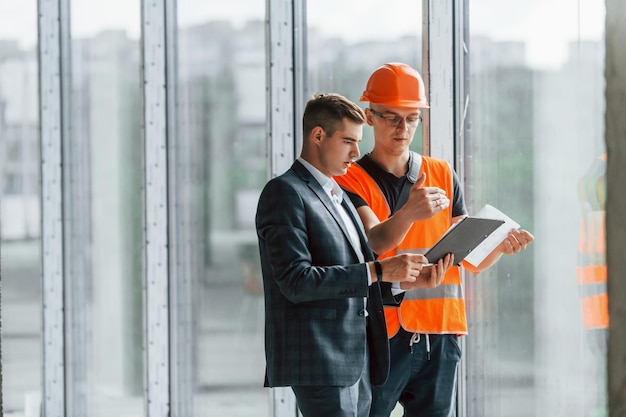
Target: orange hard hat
(395,84)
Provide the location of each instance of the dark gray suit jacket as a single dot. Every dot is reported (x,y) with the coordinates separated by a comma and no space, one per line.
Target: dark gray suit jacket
(315,331)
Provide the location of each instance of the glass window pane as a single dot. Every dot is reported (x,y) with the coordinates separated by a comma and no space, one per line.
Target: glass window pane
(219,169)
(537,338)
(20,239)
(104,177)
(344,47)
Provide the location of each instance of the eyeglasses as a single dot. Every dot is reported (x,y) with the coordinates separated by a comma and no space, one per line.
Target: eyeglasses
(395,121)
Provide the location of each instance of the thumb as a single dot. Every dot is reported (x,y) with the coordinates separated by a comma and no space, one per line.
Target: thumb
(420,181)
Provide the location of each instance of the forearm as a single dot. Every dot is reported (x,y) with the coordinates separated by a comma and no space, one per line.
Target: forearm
(488,262)
(314,283)
(388,234)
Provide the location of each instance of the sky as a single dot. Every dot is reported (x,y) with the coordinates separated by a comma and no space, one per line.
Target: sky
(545,25)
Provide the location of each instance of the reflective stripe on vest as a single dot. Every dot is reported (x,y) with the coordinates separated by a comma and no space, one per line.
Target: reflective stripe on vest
(438,310)
(593,289)
(442,291)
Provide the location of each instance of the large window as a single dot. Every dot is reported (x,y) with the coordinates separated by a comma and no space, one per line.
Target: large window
(533,148)
(104,212)
(20,232)
(218,167)
(344,47)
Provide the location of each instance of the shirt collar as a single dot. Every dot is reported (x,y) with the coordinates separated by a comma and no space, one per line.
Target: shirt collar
(328,184)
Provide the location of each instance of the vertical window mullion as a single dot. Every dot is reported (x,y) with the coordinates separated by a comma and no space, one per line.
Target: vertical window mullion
(460,63)
(181,279)
(442,66)
(438,73)
(156,208)
(280,109)
(282,125)
(76,230)
(51,128)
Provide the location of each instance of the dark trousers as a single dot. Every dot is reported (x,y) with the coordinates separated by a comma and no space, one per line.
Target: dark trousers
(334,401)
(422,378)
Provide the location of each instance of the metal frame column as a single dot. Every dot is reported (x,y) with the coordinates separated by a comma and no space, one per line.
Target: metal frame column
(156,289)
(181,244)
(51,68)
(281,125)
(280,107)
(461,103)
(438,73)
(444,71)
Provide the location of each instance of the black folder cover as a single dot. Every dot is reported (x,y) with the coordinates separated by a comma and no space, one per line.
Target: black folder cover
(462,238)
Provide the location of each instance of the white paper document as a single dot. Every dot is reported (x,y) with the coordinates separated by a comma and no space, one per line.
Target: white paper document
(493,240)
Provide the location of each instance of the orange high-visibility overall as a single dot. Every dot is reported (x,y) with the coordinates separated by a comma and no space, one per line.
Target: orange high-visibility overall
(591,272)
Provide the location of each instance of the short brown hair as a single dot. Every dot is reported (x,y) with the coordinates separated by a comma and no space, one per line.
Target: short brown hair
(328,112)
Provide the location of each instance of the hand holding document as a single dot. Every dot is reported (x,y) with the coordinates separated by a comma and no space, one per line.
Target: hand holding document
(487,246)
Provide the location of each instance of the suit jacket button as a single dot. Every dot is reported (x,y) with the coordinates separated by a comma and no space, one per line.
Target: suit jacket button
(362,313)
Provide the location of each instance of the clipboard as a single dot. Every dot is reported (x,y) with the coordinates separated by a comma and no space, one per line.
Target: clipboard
(462,238)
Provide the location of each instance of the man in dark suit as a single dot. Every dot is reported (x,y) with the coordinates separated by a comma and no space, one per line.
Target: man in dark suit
(325,333)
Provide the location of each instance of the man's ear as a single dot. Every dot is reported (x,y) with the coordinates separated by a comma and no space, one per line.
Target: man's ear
(317,134)
(368,117)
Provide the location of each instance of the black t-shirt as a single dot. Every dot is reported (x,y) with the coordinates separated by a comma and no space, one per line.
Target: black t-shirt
(391,186)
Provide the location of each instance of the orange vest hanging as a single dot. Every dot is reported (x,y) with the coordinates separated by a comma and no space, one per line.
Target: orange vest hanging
(591,271)
(438,310)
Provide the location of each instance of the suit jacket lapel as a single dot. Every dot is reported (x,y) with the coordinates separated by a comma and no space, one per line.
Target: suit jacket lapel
(333,209)
(349,207)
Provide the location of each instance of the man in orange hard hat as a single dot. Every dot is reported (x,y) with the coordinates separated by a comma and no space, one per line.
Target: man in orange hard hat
(407,202)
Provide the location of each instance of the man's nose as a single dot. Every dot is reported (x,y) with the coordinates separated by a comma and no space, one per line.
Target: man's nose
(403,125)
(356,152)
